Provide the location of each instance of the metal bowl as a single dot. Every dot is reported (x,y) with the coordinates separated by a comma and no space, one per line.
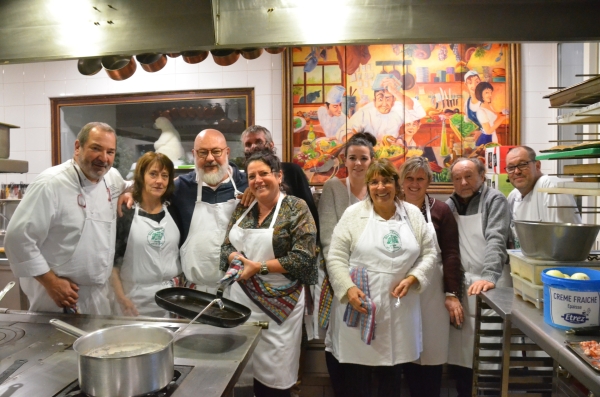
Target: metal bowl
(556,241)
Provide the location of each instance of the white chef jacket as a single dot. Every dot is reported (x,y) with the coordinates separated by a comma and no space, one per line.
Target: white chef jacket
(47,224)
(369,119)
(536,206)
(330,124)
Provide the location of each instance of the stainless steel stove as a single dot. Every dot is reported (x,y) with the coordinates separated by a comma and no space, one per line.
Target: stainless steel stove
(180,372)
(36,360)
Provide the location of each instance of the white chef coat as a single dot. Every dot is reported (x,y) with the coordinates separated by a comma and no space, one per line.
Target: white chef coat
(150,262)
(330,124)
(201,251)
(398,329)
(47,226)
(369,119)
(276,359)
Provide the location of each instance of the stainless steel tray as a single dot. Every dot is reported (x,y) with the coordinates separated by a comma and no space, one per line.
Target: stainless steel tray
(575,348)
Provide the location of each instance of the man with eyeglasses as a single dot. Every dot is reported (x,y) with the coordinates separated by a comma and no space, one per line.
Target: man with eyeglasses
(483,220)
(61,238)
(525,201)
(202,204)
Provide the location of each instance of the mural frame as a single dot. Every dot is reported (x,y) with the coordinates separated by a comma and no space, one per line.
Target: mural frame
(513,103)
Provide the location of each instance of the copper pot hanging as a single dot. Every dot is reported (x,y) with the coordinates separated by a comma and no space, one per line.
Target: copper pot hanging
(119,67)
(173,54)
(275,50)
(251,53)
(152,62)
(225,57)
(193,57)
(89,66)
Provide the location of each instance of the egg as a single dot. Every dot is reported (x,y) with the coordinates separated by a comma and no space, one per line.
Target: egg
(555,273)
(580,276)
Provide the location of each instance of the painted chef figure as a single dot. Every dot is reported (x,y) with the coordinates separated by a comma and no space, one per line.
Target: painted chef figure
(202,205)
(60,240)
(331,115)
(386,113)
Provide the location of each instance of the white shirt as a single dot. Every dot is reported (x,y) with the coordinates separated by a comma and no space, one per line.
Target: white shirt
(536,206)
(330,124)
(369,119)
(45,228)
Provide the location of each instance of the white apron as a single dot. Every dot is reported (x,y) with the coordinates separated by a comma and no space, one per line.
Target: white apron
(151,260)
(387,250)
(91,263)
(472,255)
(313,330)
(435,317)
(276,359)
(201,251)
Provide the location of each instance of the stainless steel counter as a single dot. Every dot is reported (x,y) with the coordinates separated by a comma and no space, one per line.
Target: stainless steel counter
(217,355)
(530,320)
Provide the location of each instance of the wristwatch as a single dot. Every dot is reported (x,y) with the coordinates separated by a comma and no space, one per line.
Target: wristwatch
(263,268)
(450,294)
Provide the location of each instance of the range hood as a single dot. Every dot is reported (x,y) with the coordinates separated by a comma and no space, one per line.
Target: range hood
(43,30)
(7,165)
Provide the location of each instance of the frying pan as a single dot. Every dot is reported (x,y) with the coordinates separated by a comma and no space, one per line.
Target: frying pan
(188,303)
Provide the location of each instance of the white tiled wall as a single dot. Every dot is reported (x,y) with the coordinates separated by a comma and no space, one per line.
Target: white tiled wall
(539,71)
(25,90)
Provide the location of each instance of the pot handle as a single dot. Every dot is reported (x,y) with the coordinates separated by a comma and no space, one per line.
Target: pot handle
(68,328)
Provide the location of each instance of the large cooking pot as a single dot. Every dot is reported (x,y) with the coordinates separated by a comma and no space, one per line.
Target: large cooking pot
(193,57)
(251,53)
(275,50)
(225,57)
(107,370)
(152,62)
(119,67)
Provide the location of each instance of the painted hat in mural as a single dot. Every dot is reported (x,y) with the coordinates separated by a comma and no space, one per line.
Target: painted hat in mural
(378,83)
(335,94)
(471,73)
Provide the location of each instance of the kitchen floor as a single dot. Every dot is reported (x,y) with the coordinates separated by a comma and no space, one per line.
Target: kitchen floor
(320,386)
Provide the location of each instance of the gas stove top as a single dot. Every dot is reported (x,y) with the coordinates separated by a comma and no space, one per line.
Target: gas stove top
(37,360)
(181,371)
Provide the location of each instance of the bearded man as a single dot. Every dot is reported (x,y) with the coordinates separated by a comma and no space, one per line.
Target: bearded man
(202,213)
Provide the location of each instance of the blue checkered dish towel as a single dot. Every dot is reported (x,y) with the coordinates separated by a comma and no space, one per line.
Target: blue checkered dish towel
(352,317)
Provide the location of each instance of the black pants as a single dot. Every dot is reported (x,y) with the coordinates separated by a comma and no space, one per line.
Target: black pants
(463,377)
(354,380)
(261,390)
(423,380)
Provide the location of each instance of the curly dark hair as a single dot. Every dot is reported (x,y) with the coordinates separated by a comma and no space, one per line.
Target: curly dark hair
(365,139)
(142,166)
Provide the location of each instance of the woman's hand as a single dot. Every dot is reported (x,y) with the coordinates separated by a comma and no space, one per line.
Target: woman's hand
(232,256)
(127,307)
(455,310)
(402,289)
(354,297)
(250,268)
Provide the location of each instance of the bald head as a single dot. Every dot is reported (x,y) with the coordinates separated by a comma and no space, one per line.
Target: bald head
(211,155)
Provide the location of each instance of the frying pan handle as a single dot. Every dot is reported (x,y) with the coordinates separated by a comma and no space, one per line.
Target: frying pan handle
(67,328)
(219,293)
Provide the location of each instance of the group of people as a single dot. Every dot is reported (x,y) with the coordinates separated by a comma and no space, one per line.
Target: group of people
(396,271)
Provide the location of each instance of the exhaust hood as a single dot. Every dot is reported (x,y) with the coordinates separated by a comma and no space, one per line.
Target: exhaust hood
(7,165)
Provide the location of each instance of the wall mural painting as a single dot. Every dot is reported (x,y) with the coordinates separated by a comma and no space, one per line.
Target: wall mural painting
(440,101)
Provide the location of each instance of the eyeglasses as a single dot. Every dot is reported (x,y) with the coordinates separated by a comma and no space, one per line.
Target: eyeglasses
(262,174)
(521,166)
(384,182)
(201,153)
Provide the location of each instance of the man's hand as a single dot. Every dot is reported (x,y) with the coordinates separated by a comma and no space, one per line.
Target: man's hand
(455,310)
(480,286)
(62,290)
(128,308)
(125,198)
(247,198)
(402,289)
(354,297)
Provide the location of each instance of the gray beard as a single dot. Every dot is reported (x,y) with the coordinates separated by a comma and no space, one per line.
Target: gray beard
(213,178)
